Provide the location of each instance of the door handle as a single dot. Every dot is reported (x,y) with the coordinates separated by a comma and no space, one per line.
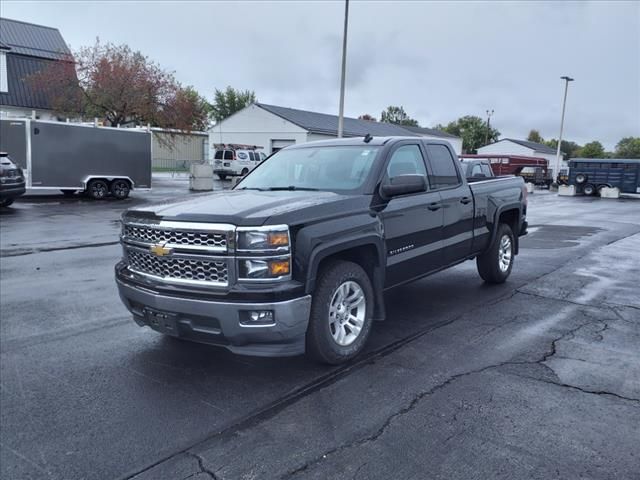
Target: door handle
(434,206)
(465,200)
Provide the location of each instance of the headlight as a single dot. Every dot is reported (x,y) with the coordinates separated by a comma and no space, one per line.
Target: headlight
(273,238)
(255,269)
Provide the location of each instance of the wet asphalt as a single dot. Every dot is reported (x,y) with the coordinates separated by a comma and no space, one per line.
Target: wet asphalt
(536,378)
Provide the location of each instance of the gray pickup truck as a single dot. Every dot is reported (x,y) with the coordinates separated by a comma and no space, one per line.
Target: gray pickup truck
(297,256)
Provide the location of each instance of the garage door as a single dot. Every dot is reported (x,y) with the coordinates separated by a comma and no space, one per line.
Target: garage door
(280,144)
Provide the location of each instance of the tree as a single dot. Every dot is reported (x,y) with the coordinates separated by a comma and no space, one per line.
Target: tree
(591,150)
(534,136)
(472,130)
(120,86)
(628,147)
(397,116)
(228,102)
(367,117)
(570,149)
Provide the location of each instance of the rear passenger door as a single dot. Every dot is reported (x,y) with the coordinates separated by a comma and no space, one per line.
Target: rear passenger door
(412,222)
(457,202)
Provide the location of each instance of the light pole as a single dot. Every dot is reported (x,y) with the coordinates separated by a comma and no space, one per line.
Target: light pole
(344,68)
(556,170)
(486,138)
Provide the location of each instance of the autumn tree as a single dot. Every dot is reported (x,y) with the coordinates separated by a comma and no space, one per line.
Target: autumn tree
(534,136)
(628,147)
(591,150)
(122,87)
(367,117)
(397,116)
(473,131)
(227,102)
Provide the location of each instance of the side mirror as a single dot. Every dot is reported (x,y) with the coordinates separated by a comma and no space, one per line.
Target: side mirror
(403,185)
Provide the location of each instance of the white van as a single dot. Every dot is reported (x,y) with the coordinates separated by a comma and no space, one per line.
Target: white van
(229,161)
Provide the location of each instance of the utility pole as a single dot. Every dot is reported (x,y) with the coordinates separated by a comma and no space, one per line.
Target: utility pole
(556,170)
(344,68)
(486,137)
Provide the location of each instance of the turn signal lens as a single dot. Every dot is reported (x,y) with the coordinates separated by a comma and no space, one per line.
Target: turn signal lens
(278,268)
(279,239)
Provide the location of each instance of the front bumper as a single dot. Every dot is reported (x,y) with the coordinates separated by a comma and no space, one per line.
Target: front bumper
(12,190)
(218,322)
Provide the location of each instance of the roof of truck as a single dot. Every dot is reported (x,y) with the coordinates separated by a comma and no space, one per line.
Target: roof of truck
(359,141)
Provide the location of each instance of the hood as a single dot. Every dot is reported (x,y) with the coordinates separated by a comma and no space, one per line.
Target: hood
(255,208)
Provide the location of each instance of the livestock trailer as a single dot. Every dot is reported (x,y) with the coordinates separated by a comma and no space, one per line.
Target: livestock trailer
(73,157)
(533,169)
(589,175)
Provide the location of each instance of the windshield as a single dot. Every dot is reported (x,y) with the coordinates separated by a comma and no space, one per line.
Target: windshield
(313,168)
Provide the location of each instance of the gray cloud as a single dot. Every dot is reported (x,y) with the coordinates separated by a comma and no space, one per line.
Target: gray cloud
(439,60)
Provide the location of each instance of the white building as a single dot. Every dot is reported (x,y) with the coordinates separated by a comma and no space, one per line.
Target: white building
(273,128)
(510,146)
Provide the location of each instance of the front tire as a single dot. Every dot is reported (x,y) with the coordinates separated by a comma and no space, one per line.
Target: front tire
(341,313)
(5,202)
(98,189)
(494,265)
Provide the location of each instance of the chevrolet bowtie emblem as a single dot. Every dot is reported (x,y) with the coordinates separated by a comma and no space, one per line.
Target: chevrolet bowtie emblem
(160,250)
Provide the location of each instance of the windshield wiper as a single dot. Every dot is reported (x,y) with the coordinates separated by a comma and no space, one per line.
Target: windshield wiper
(292,188)
(252,188)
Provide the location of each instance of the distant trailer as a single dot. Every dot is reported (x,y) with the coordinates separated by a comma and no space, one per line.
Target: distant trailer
(589,175)
(100,161)
(532,169)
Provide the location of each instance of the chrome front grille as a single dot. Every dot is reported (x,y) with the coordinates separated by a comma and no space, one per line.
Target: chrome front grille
(153,235)
(178,269)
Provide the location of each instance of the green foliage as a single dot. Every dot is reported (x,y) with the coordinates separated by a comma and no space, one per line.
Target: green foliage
(230,101)
(591,150)
(628,147)
(397,116)
(473,131)
(570,149)
(534,136)
(367,117)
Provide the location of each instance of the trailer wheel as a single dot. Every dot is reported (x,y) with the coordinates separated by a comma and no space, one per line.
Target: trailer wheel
(589,189)
(244,171)
(98,189)
(581,178)
(120,189)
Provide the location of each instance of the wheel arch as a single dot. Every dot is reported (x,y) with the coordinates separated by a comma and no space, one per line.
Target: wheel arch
(511,214)
(367,252)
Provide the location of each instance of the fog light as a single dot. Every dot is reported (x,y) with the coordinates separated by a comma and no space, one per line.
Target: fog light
(258,318)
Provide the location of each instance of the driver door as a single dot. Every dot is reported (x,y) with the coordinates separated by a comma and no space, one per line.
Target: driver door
(413,222)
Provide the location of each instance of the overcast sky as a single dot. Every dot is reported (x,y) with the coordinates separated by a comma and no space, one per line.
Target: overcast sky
(440,60)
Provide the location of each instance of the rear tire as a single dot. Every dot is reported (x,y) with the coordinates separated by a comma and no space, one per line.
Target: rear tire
(494,265)
(120,189)
(244,171)
(98,189)
(341,313)
(5,202)
(589,189)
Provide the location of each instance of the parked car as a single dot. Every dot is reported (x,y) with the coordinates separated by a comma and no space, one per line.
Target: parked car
(98,161)
(234,160)
(590,175)
(12,183)
(297,256)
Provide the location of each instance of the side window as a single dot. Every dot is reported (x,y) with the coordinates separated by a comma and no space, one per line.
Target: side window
(252,156)
(486,169)
(218,155)
(476,170)
(406,160)
(228,155)
(443,166)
